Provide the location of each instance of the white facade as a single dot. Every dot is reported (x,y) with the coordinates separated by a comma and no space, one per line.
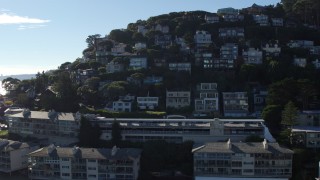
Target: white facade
(178,99)
(183,66)
(140,45)
(138,63)
(240,160)
(301,62)
(13,155)
(121,106)
(113,67)
(262,20)
(118,48)
(164,29)
(252,56)
(208,99)
(57,128)
(272,50)
(202,38)
(147,102)
(235,104)
(141,29)
(84,163)
(277,22)
(316,64)
(212,18)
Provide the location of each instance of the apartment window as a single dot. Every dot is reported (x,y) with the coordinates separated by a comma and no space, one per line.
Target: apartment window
(92,176)
(65,167)
(65,159)
(65,174)
(92,168)
(91,160)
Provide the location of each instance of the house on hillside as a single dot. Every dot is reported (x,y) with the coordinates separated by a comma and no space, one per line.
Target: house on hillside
(211,18)
(178,99)
(207,98)
(235,104)
(261,19)
(252,56)
(137,62)
(235,32)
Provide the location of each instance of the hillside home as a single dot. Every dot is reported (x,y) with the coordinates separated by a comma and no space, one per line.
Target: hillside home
(242,160)
(140,45)
(183,45)
(162,28)
(233,17)
(235,104)
(254,9)
(314,50)
(147,102)
(84,163)
(306,136)
(252,56)
(259,100)
(202,38)
(152,80)
(211,18)
(121,106)
(163,41)
(53,127)
(118,48)
(142,29)
(103,49)
(160,62)
(114,66)
(316,63)
(228,10)
(277,22)
(231,32)
(301,62)
(13,155)
(138,63)
(204,60)
(271,50)
(207,98)
(228,55)
(178,99)
(300,44)
(180,66)
(262,20)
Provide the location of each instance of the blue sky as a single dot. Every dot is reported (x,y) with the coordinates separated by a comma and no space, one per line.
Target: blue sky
(37,35)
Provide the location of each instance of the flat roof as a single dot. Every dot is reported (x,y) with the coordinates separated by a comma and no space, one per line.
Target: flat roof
(44,115)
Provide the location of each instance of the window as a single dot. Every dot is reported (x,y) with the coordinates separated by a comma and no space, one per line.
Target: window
(91,160)
(65,174)
(65,167)
(92,168)
(65,159)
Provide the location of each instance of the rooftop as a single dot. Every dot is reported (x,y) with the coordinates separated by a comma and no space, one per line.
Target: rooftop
(242,147)
(87,153)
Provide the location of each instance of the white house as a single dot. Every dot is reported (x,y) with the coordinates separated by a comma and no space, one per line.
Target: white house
(121,106)
(301,62)
(147,102)
(138,63)
(140,45)
(252,56)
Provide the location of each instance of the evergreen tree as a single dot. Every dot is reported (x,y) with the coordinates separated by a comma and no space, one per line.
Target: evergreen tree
(289,114)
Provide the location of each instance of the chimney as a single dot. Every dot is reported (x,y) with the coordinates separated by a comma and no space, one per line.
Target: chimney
(265,144)
(114,150)
(229,145)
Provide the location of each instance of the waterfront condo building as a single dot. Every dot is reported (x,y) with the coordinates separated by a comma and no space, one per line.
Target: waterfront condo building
(84,163)
(13,155)
(242,160)
(180,130)
(51,127)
